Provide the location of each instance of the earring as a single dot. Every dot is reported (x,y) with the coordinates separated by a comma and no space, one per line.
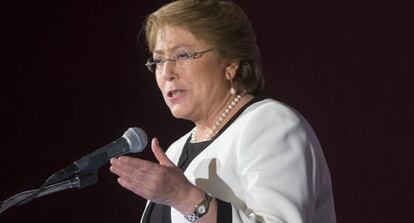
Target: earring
(232,90)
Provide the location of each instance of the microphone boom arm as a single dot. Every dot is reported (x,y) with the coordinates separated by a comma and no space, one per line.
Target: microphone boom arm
(79,181)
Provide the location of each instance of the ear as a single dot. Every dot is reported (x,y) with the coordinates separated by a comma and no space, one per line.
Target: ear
(231,69)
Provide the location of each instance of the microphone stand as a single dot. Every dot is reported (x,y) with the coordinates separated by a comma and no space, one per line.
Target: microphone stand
(79,181)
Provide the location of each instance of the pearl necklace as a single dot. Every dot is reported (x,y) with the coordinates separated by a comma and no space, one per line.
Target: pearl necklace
(220,120)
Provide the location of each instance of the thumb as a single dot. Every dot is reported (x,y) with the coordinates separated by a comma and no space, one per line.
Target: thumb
(159,153)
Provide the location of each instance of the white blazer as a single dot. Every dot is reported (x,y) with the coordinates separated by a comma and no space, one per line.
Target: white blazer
(268,164)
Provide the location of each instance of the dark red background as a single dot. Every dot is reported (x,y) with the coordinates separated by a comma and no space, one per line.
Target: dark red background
(73,80)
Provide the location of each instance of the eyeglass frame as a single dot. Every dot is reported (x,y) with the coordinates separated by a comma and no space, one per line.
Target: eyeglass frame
(193,55)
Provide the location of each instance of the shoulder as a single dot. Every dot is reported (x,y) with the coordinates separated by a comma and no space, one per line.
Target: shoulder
(272,125)
(270,112)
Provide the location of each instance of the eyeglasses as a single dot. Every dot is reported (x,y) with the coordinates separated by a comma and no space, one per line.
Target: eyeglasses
(154,64)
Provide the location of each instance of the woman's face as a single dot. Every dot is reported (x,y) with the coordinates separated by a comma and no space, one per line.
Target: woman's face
(193,89)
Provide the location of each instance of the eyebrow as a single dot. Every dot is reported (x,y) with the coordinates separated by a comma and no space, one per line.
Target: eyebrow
(173,48)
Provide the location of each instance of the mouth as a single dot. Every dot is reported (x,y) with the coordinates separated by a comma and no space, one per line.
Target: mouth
(174,94)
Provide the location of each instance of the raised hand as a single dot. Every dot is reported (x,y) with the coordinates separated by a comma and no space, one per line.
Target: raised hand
(162,182)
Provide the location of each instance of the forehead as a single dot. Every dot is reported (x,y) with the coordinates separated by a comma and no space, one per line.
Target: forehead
(171,38)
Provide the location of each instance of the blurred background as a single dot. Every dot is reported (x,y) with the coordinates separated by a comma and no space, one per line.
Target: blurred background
(73,79)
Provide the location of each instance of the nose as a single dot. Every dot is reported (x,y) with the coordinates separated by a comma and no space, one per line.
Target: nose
(168,71)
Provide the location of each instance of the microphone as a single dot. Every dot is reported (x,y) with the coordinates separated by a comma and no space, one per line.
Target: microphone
(133,140)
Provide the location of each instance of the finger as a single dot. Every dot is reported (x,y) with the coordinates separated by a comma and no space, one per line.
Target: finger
(131,163)
(159,153)
(129,184)
(118,171)
(139,169)
(140,183)
(137,181)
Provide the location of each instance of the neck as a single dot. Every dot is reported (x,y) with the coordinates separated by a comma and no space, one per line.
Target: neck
(207,128)
(215,111)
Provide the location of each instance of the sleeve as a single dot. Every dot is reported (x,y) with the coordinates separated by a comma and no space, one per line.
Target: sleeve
(277,167)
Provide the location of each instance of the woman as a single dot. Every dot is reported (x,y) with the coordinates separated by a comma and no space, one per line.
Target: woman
(248,159)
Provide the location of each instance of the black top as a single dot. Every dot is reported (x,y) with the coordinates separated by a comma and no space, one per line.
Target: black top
(157,213)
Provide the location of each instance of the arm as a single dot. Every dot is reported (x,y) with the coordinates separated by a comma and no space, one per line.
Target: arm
(278,167)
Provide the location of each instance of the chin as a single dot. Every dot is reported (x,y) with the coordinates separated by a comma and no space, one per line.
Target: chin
(179,112)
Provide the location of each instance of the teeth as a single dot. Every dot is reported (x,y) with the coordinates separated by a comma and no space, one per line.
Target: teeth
(174,94)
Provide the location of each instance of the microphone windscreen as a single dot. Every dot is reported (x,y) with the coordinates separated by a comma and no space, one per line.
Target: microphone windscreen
(136,138)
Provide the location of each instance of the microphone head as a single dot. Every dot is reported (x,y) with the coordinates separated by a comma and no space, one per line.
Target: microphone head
(136,138)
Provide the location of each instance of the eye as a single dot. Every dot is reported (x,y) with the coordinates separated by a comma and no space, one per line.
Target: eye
(183,56)
(157,60)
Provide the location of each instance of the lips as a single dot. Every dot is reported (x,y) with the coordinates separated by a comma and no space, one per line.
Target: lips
(174,94)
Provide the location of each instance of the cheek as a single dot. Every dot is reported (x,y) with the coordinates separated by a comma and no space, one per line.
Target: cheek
(212,78)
